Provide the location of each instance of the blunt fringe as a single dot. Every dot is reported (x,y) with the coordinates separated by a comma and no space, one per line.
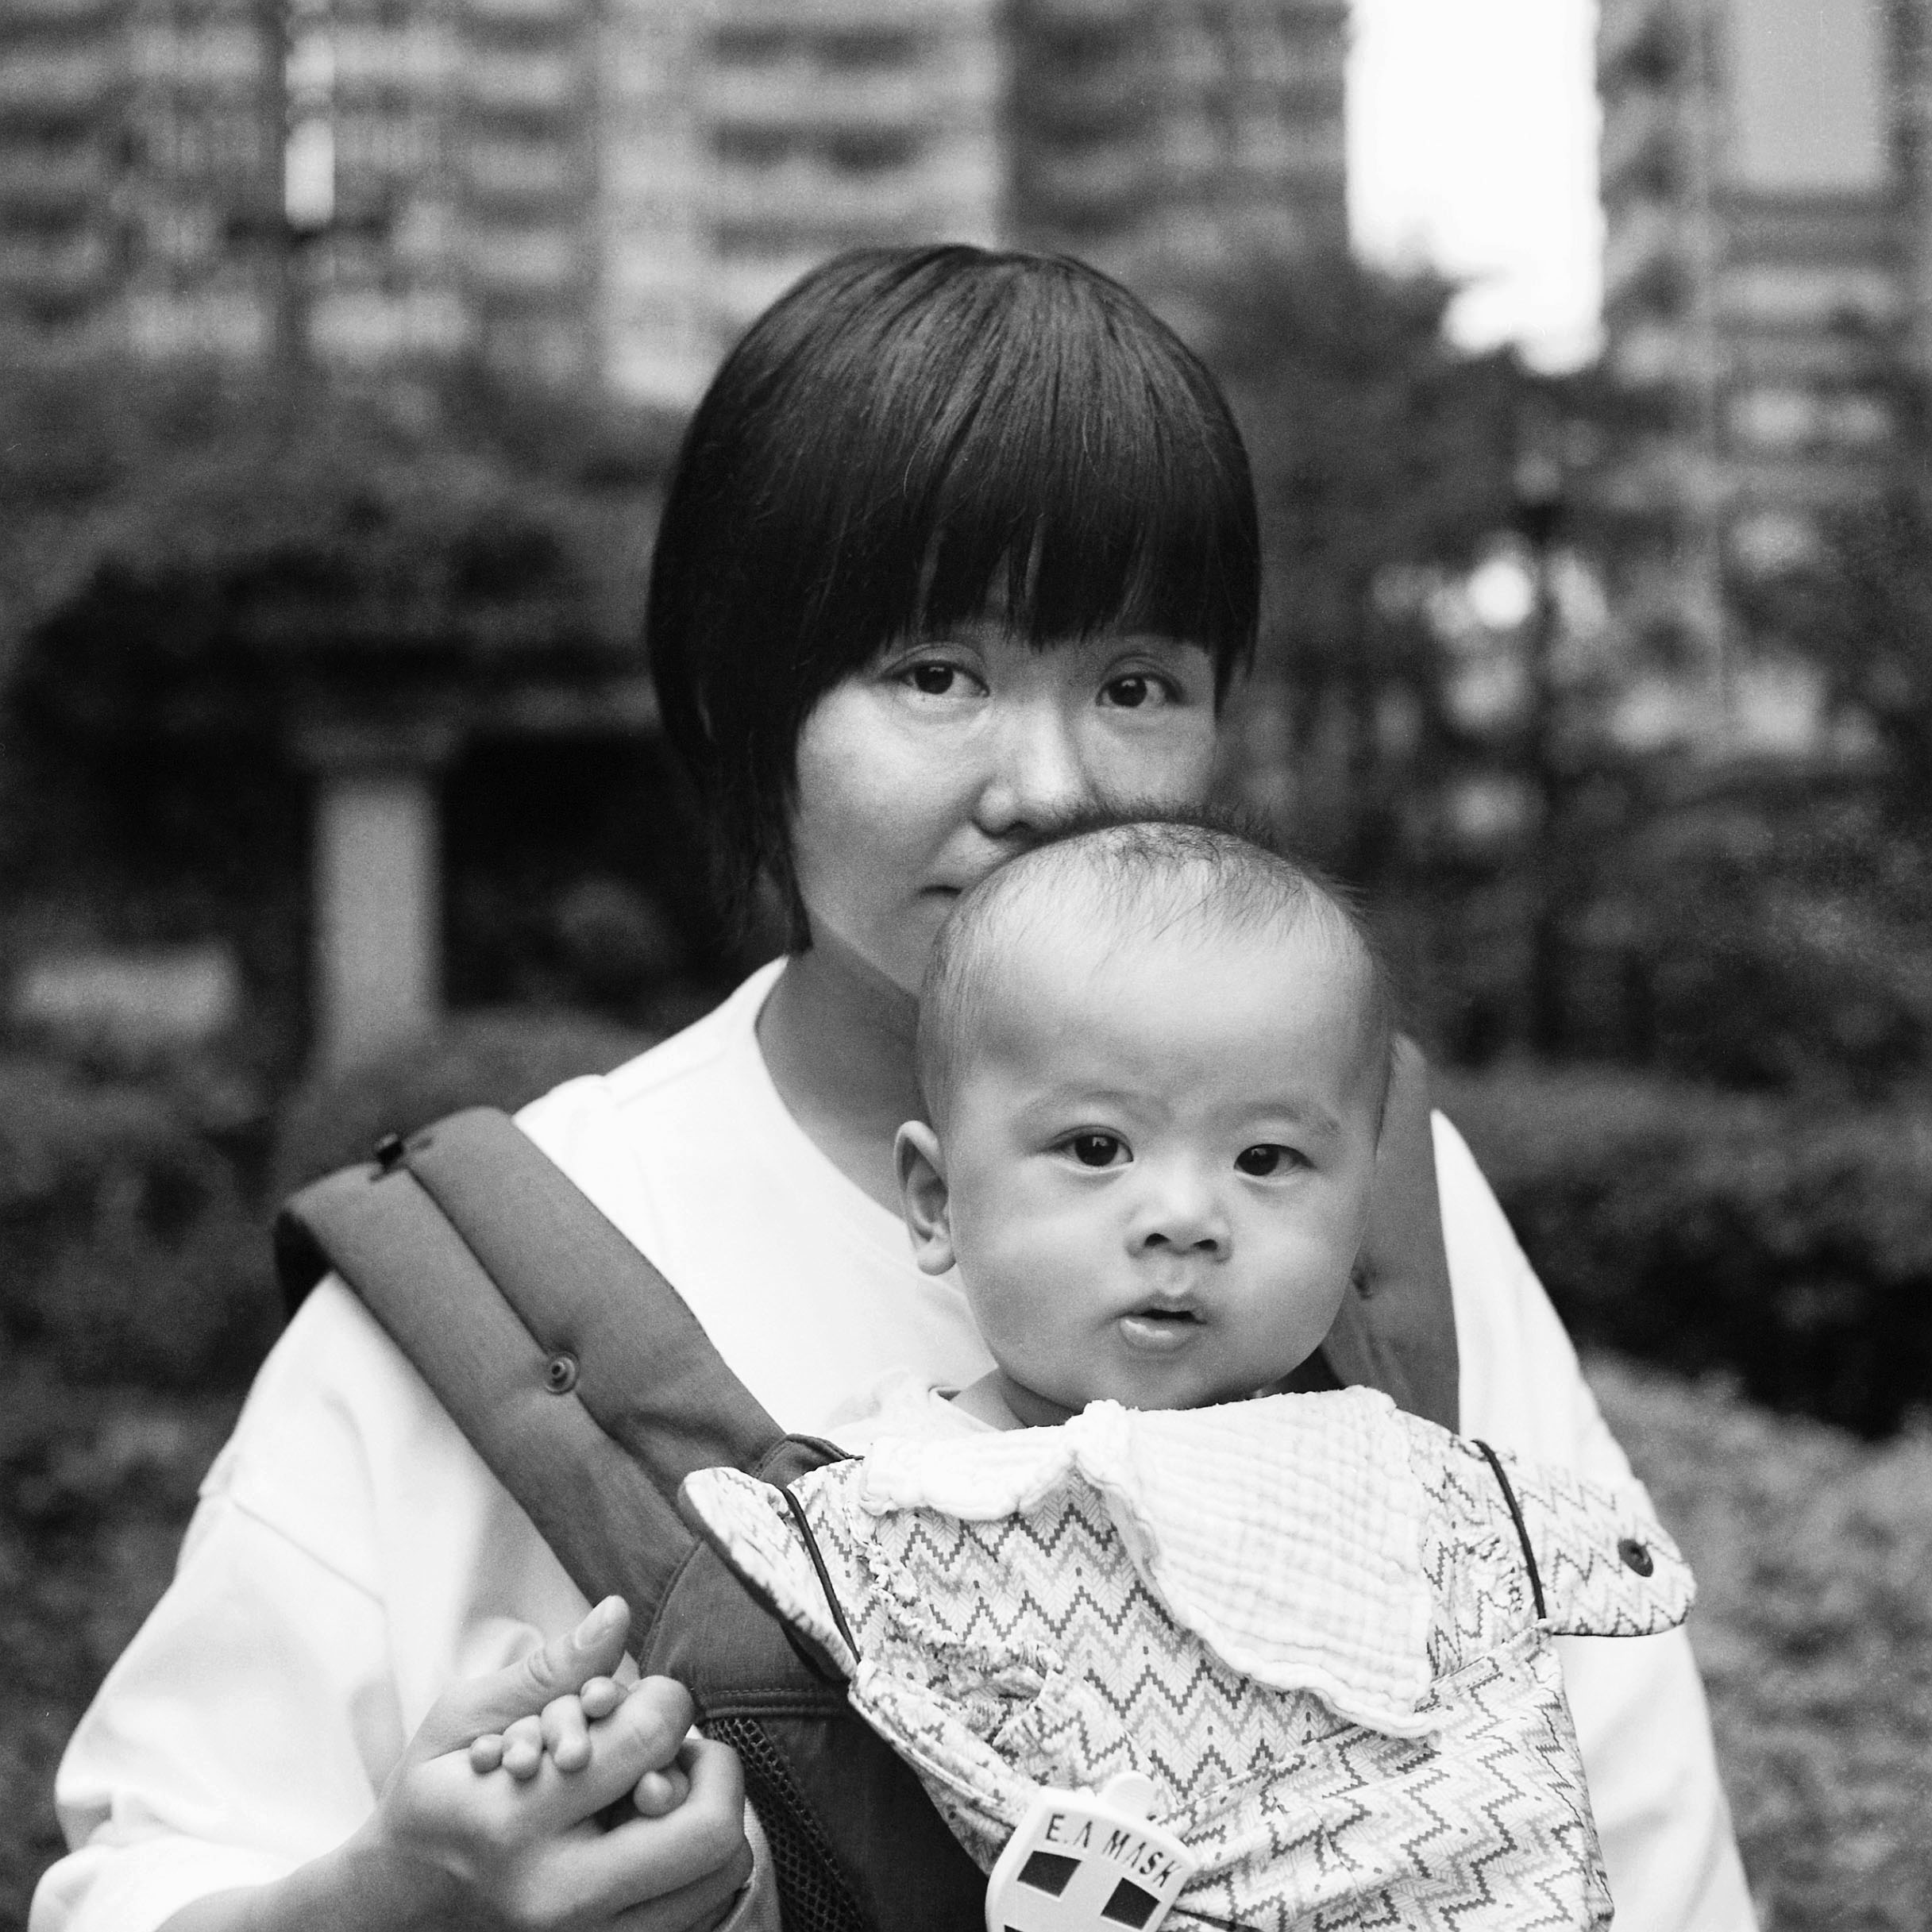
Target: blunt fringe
(908,440)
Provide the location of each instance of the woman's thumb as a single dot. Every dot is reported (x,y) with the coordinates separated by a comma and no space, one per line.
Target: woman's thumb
(491,1703)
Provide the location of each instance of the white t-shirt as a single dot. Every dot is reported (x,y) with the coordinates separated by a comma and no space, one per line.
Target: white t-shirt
(352,1556)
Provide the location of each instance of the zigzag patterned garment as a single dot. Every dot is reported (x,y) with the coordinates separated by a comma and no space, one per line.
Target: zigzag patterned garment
(1310,1621)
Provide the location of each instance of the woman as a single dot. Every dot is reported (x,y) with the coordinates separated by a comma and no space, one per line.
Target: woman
(958,543)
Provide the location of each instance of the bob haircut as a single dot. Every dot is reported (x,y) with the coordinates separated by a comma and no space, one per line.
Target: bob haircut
(908,440)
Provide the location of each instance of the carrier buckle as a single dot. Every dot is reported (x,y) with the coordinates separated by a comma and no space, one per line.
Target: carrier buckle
(1087,1861)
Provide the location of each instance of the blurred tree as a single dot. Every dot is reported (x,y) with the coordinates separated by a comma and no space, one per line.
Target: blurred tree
(1381,453)
(1456,759)
(104,458)
(208,589)
(1858,606)
(226,575)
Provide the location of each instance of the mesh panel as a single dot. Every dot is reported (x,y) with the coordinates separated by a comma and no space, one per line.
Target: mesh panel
(811,1896)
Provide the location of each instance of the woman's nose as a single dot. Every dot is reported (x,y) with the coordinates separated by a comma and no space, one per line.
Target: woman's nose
(1035,774)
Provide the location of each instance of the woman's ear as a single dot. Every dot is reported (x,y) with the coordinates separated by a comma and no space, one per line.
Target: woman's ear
(923,1198)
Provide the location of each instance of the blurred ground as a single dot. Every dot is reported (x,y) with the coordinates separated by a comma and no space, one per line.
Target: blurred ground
(96,1487)
(1814,1626)
(1814,1551)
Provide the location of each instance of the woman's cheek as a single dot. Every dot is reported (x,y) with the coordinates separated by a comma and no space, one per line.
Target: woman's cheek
(1171,759)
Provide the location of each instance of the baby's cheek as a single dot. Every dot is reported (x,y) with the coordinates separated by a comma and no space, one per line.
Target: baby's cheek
(1303,1279)
(1022,1298)
(1010,1313)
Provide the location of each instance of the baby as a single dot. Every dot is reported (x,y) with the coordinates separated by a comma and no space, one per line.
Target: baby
(1154,1056)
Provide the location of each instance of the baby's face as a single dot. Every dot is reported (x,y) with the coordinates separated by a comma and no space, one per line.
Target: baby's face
(1158,1163)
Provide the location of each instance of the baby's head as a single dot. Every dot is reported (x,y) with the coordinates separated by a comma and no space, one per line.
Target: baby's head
(1154,1056)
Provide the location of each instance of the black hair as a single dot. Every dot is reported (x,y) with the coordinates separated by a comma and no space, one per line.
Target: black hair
(1155,871)
(910,439)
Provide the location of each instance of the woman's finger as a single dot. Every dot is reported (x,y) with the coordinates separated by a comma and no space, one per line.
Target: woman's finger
(651,1859)
(566,1736)
(594,1649)
(523,1748)
(699,1907)
(659,1792)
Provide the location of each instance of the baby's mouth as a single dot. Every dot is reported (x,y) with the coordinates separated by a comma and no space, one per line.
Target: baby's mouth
(1159,1331)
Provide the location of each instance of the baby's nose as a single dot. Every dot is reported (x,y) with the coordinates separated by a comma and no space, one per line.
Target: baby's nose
(1182,1240)
(1181,1216)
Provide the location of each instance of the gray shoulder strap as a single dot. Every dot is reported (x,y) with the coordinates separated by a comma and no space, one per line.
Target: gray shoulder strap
(567,1360)
(1397,1328)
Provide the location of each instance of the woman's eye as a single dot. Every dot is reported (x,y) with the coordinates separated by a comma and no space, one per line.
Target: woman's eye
(1096,1150)
(1133,690)
(939,677)
(1264,1159)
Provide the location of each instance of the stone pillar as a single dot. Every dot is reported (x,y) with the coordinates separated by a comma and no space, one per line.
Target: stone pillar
(377,911)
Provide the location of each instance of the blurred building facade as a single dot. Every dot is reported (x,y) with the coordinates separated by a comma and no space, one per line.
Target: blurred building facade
(607,190)
(1765,272)
(601,194)
(1155,139)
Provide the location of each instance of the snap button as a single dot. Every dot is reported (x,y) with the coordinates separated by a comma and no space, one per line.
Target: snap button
(560,1373)
(1635,1556)
(388,1151)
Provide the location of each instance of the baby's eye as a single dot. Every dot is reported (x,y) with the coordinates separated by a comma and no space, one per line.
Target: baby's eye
(1264,1159)
(1097,1149)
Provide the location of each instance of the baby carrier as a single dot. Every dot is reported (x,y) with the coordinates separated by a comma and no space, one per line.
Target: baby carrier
(1358,1722)
(591,1392)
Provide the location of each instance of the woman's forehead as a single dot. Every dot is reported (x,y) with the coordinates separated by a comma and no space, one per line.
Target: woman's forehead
(994,632)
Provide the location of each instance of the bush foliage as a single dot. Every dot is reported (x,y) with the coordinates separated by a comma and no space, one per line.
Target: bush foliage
(127,1249)
(131,1248)
(1787,1243)
(1813,1630)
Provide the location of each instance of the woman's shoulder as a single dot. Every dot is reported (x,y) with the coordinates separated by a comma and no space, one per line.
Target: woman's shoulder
(1520,1384)
(335,1410)
(336,1385)
(715,1051)
(340,1429)
(690,1130)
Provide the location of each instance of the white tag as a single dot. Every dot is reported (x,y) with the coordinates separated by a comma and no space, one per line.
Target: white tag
(1087,1862)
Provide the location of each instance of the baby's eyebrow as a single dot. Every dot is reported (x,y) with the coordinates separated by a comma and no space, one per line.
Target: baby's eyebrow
(1083,1094)
(1309,1116)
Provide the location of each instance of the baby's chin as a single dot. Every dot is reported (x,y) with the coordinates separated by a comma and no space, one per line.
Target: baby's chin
(1032,1410)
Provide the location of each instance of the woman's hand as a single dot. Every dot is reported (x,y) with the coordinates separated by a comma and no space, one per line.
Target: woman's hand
(449,1848)
(495,1850)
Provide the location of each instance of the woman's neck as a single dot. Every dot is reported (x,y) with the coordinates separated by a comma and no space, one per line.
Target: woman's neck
(837,1038)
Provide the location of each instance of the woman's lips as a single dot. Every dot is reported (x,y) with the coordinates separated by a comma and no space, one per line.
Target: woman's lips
(1159,1331)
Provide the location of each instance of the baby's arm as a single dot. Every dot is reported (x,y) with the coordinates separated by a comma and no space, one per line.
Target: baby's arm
(562,1733)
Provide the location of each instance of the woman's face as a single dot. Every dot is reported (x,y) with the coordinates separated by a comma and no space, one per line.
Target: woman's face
(918,775)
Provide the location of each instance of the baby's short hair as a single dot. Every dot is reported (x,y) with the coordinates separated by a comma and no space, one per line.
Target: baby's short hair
(1151,873)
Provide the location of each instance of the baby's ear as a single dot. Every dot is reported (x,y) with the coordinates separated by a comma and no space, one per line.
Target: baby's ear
(920,1163)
